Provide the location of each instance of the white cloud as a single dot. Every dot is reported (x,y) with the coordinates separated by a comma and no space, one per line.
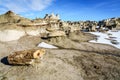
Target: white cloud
(25,5)
(40,4)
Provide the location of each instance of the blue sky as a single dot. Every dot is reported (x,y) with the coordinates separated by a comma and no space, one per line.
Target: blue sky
(73,10)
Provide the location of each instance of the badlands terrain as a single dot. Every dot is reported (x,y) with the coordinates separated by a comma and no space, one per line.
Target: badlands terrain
(73,58)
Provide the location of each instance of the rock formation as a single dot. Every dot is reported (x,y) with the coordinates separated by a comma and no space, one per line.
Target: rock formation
(50,23)
(56,34)
(52,16)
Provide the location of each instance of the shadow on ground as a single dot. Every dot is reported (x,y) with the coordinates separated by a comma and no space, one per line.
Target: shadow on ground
(5,61)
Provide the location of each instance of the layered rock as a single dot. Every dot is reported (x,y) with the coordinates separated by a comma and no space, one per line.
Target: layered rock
(56,34)
(9,35)
(9,32)
(35,31)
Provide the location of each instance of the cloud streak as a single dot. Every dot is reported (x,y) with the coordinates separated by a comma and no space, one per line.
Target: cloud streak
(25,5)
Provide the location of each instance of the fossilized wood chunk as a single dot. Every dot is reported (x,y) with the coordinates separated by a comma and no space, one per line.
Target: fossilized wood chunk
(25,57)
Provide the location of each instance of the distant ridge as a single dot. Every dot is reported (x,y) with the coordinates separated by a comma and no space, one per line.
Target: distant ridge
(11,17)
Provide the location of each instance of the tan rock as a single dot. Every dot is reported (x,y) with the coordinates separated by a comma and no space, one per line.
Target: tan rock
(56,33)
(50,29)
(25,57)
(11,17)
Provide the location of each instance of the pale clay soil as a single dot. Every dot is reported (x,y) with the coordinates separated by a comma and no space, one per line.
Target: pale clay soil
(75,59)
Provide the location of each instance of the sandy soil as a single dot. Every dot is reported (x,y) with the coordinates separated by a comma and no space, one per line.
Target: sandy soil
(74,60)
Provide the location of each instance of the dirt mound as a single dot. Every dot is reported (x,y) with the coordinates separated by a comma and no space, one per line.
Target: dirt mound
(80,36)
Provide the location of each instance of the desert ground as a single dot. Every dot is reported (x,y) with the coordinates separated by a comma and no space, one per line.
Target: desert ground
(74,59)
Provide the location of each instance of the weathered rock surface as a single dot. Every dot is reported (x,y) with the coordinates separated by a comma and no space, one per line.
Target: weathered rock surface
(9,32)
(9,35)
(11,17)
(73,61)
(25,57)
(56,34)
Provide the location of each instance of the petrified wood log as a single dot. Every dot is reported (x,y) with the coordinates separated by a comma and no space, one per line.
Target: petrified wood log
(25,57)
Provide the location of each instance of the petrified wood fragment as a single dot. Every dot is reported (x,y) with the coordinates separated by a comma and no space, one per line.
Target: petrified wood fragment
(25,57)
